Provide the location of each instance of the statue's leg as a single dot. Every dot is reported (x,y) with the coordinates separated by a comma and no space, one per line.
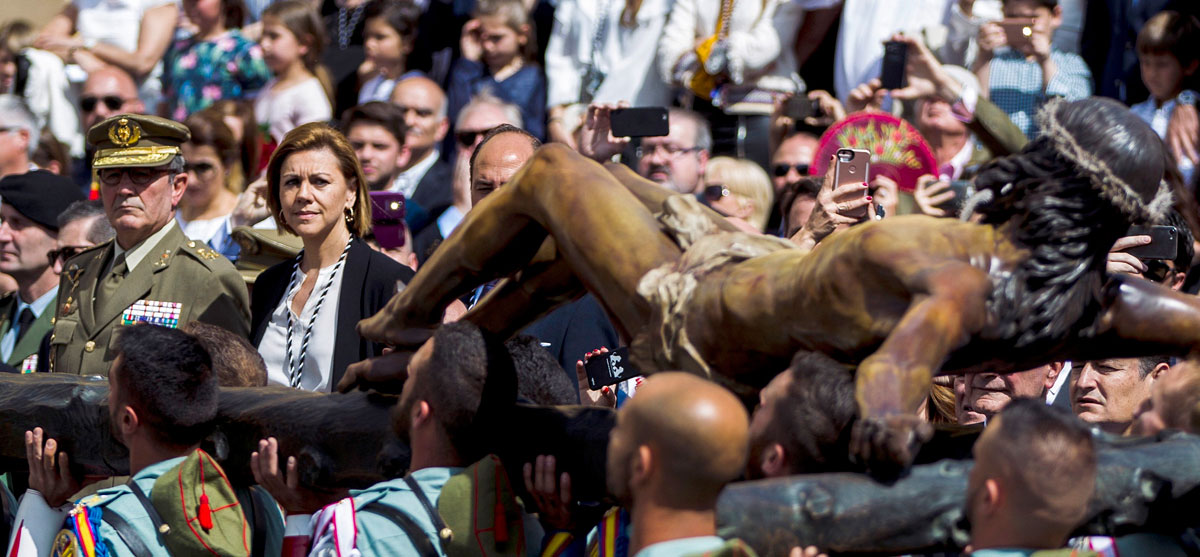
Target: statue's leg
(1142,318)
(602,231)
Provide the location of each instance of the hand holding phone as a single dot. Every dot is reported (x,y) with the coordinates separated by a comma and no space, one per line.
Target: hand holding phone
(895,57)
(609,369)
(1018,33)
(852,166)
(649,121)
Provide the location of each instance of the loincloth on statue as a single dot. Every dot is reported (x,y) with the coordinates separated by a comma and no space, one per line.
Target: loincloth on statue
(663,343)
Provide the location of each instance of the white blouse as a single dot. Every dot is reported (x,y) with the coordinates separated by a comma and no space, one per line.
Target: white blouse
(318,360)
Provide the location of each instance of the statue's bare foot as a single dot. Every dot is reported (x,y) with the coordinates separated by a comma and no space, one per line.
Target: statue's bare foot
(887,445)
(385,373)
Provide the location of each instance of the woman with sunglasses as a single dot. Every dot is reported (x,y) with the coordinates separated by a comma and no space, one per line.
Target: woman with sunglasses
(212,164)
(304,311)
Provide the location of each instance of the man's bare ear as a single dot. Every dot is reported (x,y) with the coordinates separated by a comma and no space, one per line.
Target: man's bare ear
(643,464)
(1052,377)
(774,461)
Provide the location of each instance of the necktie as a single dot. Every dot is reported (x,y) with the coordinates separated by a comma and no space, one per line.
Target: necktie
(23,323)
(107,289)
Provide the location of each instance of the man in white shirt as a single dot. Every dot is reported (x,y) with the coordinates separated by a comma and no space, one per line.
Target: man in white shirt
(28,234)
(424,179)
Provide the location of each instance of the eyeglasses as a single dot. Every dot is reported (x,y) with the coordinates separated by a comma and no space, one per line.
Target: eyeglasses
(1156,270)
(199,168)
(671,151)
(139,176)
(467,138)
(112,102)
(66,252)
(781,170)
(715,192)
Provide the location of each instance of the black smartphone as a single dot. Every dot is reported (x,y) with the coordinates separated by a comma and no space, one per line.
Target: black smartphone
(895,56)
(963,189)
(609,369)
(1164,242)
(650,121)
(799,107)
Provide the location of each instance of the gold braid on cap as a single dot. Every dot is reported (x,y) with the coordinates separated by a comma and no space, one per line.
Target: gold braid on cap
(1112,187)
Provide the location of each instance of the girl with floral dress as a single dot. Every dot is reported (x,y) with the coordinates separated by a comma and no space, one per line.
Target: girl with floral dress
(216,63)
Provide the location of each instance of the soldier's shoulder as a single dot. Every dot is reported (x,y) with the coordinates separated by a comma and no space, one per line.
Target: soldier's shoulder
(105,497)
(87,257)
(207,257)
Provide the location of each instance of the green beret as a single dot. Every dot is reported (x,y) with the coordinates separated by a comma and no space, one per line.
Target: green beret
(136,140)
(39,195)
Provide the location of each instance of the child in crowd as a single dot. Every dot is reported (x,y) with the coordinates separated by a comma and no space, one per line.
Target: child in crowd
(1019,77)
(498,49)
(388,36)
(216,63)
(292,39)
(1168,48)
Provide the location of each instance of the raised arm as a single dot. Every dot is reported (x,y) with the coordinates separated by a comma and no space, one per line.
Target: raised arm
(154,36)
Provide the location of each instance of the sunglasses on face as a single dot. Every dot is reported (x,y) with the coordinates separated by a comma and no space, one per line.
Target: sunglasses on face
(139,176)
(781,170)
(1156,270)
(467,138)
(66,252)
(715,192)
(199,168)
(112,102)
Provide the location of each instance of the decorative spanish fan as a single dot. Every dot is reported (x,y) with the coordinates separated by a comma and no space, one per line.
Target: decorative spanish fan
(897,149)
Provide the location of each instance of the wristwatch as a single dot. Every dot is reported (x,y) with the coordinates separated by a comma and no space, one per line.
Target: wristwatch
(1187,96)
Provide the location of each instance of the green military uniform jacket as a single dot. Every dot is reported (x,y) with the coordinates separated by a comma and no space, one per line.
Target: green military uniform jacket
(32,340)
(176,270)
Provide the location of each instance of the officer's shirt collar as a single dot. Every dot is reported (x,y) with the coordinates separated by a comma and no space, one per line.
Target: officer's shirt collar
(137,253)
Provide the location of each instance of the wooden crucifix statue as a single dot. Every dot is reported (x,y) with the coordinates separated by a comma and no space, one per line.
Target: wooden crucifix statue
(1021,284)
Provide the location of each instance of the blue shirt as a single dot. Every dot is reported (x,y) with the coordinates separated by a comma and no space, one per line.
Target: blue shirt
(1015,84)
(9,340)
(526,88)
(120,500)
(378,535)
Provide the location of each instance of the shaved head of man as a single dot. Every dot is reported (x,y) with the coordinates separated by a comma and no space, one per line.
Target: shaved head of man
(674,447)
(108,91)
(424,107)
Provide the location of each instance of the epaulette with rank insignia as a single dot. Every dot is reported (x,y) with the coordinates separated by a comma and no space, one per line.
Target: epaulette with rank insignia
(200,251)
(80,536)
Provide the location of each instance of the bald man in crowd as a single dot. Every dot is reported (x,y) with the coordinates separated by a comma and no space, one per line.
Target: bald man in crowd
(674,447)
(108,91)
(484,112)
(425,180)
(1035,470)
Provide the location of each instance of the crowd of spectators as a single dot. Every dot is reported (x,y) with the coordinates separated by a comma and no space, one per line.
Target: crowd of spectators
(325,149)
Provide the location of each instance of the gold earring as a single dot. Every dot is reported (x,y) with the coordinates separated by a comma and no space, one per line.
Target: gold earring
(349,216)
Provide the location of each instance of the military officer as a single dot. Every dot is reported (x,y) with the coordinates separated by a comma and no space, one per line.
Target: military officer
(28,235)
(151,272)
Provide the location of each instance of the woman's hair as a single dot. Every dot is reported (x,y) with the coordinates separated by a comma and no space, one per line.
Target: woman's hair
(50,149)
(401,16)
(746,179)
(515,17)
(1071,192)
(250,147)
(16,35)
(209,130)
(314,137)
(303,21)
(234,13)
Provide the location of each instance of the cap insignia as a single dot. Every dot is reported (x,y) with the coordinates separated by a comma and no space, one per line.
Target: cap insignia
(124,132)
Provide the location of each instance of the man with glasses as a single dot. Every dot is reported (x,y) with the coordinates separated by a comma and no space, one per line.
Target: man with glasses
(107,92)
(81,226)
(151,272)
(29,208)
(676,161)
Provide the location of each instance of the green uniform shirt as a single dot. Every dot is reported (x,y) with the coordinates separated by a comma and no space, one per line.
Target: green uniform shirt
(176,270)
(30,341)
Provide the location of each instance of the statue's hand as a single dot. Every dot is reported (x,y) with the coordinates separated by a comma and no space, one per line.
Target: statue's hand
(887,445)
(385,373)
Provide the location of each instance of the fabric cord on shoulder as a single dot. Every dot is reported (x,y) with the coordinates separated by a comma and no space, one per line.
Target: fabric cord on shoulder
(418,536)
(152,512)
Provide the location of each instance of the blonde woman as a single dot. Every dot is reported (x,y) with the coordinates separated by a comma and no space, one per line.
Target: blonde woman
(739,189)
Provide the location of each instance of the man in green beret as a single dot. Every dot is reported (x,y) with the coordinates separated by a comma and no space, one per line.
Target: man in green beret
(151,272)
(29,208)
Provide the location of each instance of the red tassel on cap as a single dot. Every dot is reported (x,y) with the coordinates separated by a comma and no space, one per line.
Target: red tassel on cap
(205,514)
(501,521)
